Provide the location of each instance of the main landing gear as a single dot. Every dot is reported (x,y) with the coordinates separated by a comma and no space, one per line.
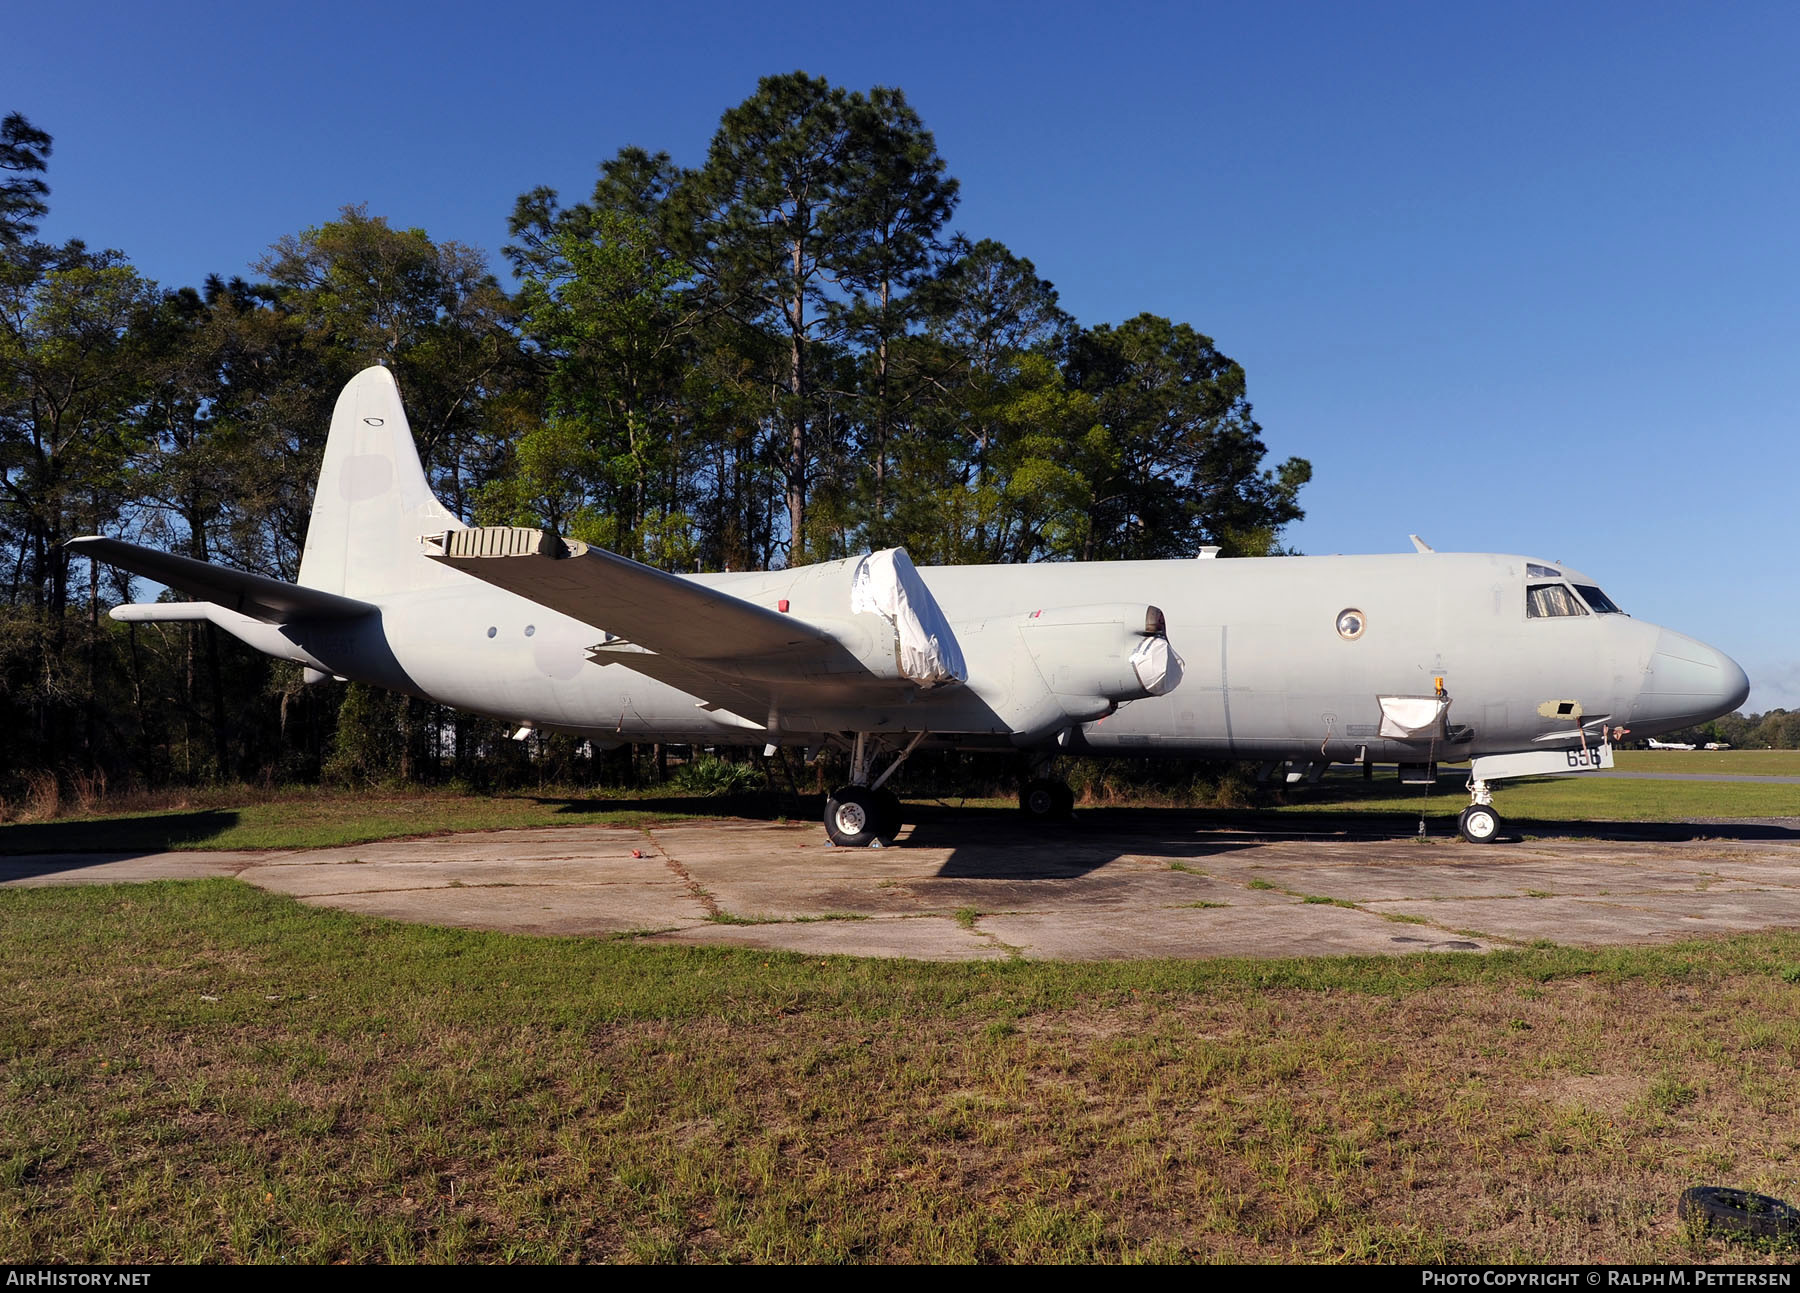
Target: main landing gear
(856,816)
(862,814)
(1045,800)
(1479,823)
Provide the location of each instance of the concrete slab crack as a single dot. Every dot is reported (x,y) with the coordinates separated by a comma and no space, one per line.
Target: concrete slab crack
(699,891)
(973,925)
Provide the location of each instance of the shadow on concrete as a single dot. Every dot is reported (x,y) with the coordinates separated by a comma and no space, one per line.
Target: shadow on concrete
(1786,830)
(998,843)
(1289,825)
(119,837)
(757,806)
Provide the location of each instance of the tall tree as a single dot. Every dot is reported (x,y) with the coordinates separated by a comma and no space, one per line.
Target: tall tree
(994,331)
(24,151)
(69,383)
(205,355)
(603,299)
(901,198)
(361,293)
(775,228)
(1174,459)
(69,379)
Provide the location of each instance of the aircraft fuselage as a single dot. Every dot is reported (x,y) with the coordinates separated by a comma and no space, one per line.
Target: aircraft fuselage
(1269,673)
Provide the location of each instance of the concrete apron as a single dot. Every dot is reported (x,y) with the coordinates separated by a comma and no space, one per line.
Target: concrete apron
(1091,891)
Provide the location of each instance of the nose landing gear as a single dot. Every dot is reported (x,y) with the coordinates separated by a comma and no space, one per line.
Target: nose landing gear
(1479,823)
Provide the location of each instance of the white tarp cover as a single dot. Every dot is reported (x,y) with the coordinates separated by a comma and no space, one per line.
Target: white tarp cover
(1413,718)
(886,584)
(1157,665)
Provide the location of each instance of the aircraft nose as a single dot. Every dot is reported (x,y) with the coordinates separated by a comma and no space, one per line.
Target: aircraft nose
(1687,682)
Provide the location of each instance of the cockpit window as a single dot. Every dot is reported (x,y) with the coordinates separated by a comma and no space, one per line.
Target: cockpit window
(1535,571)
(1551,601)
(1597,601)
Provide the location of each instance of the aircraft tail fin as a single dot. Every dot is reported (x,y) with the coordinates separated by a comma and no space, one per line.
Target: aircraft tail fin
(373,503)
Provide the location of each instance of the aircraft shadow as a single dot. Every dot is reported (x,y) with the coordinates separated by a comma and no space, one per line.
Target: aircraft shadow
(117,838)
(756,806)
(1765,829)
(997,843)
(1398,825)
(1001,844)
(991,842)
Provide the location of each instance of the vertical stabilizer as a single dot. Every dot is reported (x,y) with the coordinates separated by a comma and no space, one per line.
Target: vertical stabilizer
(373,503)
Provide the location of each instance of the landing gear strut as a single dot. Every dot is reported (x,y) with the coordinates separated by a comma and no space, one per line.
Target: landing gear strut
(1479,823)
(862,814)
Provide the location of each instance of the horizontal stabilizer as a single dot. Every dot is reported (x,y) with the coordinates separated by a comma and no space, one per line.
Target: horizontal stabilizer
(258,596)
(164,613)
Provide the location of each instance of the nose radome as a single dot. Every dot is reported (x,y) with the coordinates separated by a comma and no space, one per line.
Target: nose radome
(1689,682)
(1735,688)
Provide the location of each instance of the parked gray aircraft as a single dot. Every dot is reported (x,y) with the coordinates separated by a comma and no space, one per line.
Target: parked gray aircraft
(1521,667)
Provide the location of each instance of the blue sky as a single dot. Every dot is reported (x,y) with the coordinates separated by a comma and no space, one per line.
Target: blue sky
(1516,277)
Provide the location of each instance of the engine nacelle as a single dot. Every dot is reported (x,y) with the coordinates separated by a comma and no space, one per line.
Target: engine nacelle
(1095,658)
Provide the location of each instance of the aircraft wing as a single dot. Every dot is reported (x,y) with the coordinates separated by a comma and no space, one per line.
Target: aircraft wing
(735,655)
(261,598)
(651,608)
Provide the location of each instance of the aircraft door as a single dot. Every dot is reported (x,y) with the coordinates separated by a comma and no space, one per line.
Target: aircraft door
(1202,704)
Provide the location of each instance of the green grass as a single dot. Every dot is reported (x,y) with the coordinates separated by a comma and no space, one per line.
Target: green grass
(1737,763)
(202,1071)
(1560,799)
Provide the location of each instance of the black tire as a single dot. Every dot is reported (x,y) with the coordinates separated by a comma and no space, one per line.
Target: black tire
(1739,1212)
(853,817)
(887,815)
(1044,800)
(1479,824)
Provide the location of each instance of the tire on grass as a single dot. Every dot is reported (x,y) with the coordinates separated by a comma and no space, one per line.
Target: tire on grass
(1739,1212)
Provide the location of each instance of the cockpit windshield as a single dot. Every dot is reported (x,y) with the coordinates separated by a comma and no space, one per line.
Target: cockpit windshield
(1551,601)
(1597,601)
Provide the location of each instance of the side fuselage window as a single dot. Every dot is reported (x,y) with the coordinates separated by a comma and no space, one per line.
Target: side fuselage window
(1551,601)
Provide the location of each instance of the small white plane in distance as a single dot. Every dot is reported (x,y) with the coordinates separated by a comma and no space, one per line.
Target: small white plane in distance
(1672,745)
(1520,667)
